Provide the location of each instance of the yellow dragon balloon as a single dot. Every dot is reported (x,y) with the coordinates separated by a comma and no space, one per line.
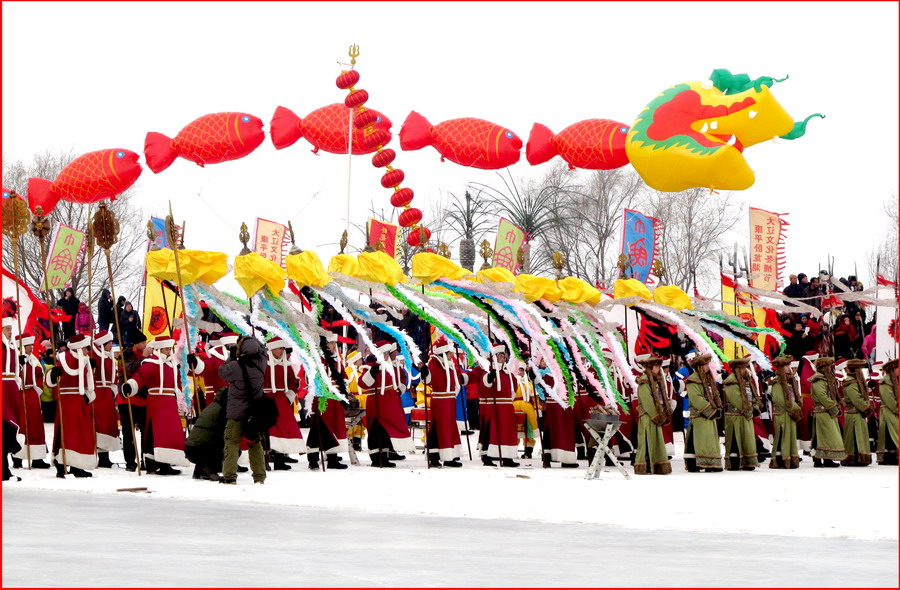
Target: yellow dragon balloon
(694,134)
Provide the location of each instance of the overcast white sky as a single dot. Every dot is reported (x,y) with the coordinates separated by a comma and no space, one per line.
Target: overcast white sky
(100,75)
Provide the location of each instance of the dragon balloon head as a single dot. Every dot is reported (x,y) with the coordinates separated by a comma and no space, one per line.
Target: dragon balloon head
(694,134)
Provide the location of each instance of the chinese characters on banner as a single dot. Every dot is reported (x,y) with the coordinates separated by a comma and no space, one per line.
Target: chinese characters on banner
(66,248)
(271,240)
(767,231)
(506,247)
(385,234)
(639,243)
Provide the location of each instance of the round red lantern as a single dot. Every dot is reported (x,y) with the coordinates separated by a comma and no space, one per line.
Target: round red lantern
(402,197)
(356,98)
(376,138)
(383,158)
(347,79)
(410,217)
(392,178)
(415,236)
(364,118)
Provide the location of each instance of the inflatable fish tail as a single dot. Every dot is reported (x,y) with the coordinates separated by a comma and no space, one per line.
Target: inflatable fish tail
(158,152)
(40,192)
(285,128)
(415,132)
(539,148)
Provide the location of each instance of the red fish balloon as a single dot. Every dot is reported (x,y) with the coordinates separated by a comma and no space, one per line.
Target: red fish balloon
(468,142)
(89,178)
(326,128)
(592,144)
(214,138)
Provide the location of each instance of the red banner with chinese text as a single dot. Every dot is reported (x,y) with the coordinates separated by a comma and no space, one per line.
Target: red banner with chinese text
(767,232)
(271,240)
(385,234)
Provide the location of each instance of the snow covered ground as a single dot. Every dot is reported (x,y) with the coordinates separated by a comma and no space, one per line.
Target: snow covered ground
(856,503)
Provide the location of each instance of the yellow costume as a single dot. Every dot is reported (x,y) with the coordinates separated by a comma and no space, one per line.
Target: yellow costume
(522,403)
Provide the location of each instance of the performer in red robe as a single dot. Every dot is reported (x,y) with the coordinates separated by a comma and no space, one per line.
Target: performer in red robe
(157,379)
(281,383)
(328,427)
(12,384)
(106,418)
(32,377)
(385,419)
(497,436)
(442,374)
(216,355)
(558,438)
(74,442)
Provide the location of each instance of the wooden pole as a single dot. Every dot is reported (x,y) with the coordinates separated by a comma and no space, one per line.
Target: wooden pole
(40,227)
(106,232)
(13,232)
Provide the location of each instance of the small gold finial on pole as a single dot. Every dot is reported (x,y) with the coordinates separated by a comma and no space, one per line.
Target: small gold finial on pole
(294,248)
(444,250)
(244,237)
(486,252)
(353,53)
(559,263)
(343,241)
(623,264)
(658,270)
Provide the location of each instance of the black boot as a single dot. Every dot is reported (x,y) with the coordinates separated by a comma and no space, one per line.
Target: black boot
(166,469)
(488,461)
(313,461)
(150,466)
(289,459)
(80,472)
(434,460)
(199,473)
(381,460)
(392,456)
(508,463)
(830,463)
(17,463)
(528,452)
(357,444)
(569,465)
(279,464)
(580,454)
(103,460)
(40,464)
(60,471)
(817,462)
(334,462)
(453,463)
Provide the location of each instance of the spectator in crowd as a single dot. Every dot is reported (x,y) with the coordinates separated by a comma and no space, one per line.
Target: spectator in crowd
(84,320)
(844,337)
(105,317)
(69,305)
(130,322)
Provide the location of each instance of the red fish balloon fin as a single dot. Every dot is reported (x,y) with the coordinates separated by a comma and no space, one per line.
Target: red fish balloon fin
(539,148)
(285,128)
(40,192)
(158,152)
(415,132)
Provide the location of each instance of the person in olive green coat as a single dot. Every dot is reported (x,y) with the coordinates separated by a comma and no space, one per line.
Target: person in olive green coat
(827,444)
(653,412)
(742,399)
(701,441)
(887,423)
(785,394)
(859,408)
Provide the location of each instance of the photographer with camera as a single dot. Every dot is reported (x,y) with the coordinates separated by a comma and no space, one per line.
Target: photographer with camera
(245,409)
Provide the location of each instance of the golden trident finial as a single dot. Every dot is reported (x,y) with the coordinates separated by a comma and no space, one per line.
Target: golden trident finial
(658,270)
(353,53)
(486,252)
(559,262)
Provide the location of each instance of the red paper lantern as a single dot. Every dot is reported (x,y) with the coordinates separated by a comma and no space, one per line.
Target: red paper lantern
(364,118)
(392,178)
(414,237)
(376,138)
(356,98)
(410,217)
(383,158)
(347,79)
(402,197)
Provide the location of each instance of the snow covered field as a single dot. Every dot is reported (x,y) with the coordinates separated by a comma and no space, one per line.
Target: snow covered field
(856,503)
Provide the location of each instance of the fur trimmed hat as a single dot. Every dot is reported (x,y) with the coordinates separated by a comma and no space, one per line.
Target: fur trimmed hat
(648,360)
(889,366)
(78,341)
(700,360)
(823,362)
(854,364)
(783,361)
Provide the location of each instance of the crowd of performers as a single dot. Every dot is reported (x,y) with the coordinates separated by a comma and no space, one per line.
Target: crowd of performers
(835,412)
